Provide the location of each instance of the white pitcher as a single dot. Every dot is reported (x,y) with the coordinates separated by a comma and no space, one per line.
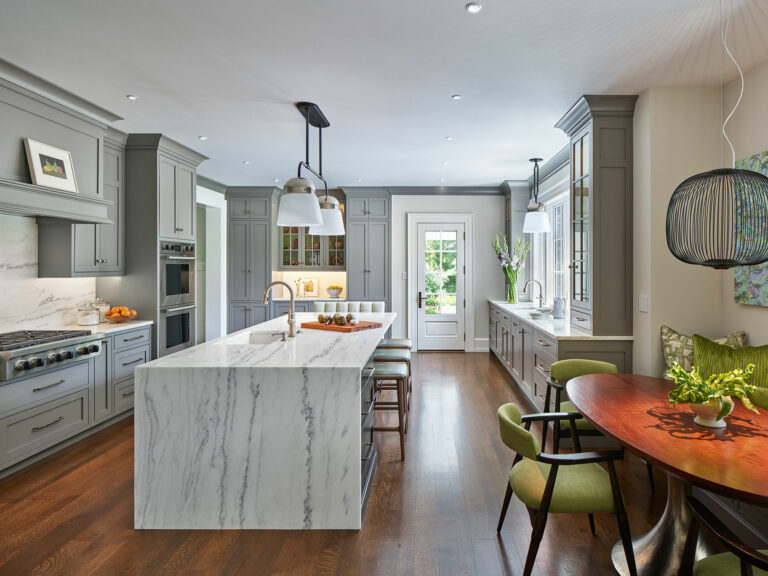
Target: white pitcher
(559,309)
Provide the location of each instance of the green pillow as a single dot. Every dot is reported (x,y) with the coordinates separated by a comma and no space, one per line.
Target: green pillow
(679,347)
(714,358)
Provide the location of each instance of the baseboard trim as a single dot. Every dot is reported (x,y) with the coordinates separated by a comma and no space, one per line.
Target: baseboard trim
(481,345)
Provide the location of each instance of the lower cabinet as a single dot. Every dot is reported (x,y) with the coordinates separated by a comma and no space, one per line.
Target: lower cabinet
(39,412)
(282,307)
(243,315)
(527,351)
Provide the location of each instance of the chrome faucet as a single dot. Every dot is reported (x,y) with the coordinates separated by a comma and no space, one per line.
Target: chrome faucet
(541,291)
(292,330)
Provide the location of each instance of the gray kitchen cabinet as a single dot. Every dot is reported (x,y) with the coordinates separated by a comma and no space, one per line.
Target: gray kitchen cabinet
(176,205)
(368,207)
(368,260)
(248,207)
(102,382)
(246,314)
(249,269)
(281,307)
(600,131)
(81,250)
(300,250)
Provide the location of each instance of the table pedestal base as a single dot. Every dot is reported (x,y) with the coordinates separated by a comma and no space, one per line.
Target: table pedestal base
(658,552)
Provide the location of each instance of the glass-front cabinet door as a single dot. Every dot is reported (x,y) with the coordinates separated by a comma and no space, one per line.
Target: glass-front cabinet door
(289,246)
(313,255)
(581,222)
(334,252)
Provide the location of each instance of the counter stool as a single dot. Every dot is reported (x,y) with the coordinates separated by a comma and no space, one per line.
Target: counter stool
(397,372)
(395,343)
(387,355)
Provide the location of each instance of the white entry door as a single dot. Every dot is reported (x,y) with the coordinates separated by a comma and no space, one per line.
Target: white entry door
(440,257)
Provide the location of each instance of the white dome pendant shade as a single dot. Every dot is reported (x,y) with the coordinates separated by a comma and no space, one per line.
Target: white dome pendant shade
(333,223)
(536,221)
(298,204)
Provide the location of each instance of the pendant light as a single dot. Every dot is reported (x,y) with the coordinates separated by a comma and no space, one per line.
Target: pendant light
(536,219)
(719,218)
(299,206)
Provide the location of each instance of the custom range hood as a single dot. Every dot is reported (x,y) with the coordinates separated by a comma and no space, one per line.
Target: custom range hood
(33,108)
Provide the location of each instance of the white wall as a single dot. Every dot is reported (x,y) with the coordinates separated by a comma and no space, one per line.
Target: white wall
(215,260)
(676,135)
(748,130)
(488,281)
(26,301)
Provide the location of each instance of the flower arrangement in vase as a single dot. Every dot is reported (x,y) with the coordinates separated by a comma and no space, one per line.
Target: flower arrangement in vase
(511,262)
(711,399)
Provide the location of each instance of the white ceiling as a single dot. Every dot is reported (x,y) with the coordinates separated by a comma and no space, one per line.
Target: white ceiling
(382,71)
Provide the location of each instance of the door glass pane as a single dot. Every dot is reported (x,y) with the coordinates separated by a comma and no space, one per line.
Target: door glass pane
(336,251)
(440,267)
(311,250)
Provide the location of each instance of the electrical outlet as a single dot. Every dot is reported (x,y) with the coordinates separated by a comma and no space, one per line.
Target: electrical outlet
(642,304)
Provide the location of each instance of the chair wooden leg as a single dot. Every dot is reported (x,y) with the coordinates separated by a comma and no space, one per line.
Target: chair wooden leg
(401,417)
(507,498)
(541,521)
(620,515)
(689,550)
(555,437)
(592,524)
(649,468)
(531,515)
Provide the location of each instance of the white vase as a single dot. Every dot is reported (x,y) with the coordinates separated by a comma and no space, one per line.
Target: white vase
(706,413)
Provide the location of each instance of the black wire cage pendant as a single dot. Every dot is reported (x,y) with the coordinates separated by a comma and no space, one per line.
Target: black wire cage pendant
(719,219)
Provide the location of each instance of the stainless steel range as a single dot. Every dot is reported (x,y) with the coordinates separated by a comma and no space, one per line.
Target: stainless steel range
(28,351)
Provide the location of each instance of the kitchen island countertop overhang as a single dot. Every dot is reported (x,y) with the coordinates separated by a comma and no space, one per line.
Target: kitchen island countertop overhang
(249,432)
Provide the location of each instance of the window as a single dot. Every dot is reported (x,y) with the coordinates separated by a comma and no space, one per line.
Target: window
(550,256)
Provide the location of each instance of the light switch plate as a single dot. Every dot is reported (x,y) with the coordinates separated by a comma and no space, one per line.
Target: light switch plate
(405,275)
(642,304)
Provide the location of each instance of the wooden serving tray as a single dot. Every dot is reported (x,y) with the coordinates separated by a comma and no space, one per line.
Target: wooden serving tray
(361,325)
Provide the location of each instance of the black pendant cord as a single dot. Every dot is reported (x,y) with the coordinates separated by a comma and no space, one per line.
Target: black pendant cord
(305,164)
(535,179)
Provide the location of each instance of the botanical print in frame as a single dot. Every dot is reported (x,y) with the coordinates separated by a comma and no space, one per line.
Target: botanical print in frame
(310,286)
(50,166)
(751,282)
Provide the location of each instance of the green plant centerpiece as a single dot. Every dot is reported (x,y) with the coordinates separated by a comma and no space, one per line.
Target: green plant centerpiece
(511,262)
(711,399)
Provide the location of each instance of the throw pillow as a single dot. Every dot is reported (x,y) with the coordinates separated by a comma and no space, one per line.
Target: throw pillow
(714,358)
(679,347)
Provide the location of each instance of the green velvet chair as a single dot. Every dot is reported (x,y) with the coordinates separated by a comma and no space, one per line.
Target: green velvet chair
(738,561)
(560,373)
(559,483)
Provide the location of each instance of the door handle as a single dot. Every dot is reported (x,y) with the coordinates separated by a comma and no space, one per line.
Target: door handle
(420,298)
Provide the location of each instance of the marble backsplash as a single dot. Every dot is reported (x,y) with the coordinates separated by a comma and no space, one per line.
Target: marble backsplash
(26,301)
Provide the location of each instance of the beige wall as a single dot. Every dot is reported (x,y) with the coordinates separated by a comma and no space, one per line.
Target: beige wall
(748,130)
(676,135)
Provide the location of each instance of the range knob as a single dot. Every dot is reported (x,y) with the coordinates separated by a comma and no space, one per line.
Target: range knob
(36,362)
(22,365)
(93,348)
(54,357)
(82,350)
(67,355)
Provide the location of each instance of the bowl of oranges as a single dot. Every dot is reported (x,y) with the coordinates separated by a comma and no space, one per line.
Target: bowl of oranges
(334,291)
(120,314)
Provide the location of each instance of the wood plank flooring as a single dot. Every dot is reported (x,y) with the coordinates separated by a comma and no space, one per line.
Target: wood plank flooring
(436,513)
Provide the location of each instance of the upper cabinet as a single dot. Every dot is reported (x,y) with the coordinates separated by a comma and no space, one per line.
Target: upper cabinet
(368,207)
(600,130)
(176,199)
(73,250)
(368,240)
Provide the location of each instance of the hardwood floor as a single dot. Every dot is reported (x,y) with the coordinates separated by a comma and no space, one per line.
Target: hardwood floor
(435,513)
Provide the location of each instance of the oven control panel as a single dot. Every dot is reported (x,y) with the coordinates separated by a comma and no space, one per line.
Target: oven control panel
(177,249)
(41,360)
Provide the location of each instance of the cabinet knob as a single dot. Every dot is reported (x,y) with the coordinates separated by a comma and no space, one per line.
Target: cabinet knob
(179,229)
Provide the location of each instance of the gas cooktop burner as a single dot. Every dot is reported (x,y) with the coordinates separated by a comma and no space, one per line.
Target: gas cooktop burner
(25,338)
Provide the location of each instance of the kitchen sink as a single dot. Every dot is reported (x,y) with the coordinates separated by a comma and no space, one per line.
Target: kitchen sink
(259,338)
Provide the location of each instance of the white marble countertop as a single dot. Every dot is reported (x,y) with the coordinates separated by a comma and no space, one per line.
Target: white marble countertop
(558,329)
(309,349)
(102,328)
(309,298)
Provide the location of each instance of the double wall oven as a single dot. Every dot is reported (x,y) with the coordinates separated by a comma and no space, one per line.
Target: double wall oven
(176,322)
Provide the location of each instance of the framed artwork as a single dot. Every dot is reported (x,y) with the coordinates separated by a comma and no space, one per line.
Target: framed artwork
(310,287)
(50,167)
(751,282)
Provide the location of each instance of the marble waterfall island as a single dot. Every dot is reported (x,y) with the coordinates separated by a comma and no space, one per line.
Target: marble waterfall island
(249,431)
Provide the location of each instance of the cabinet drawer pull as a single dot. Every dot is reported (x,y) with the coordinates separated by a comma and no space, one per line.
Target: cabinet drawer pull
(515,324)
(505,317)
(573,266)
(542,368)
(134,338)
(133,361)
(542,343)
(581,319)
(48,386)
(51,423)
(126,394)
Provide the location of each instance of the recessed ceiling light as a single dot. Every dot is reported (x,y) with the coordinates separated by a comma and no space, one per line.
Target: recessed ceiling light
(203,138)
(444,163)
(473,7)
(456,97)
(359,179)
(442,179)
(275,179)
(246,162)
(449,138)
(131,97)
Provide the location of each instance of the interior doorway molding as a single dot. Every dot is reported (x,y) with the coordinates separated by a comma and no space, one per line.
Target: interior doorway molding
(413,221)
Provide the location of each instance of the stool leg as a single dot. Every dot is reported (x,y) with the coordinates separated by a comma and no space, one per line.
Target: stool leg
(401,416)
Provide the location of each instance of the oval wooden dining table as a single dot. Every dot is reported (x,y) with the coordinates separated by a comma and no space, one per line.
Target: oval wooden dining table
(634,411)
